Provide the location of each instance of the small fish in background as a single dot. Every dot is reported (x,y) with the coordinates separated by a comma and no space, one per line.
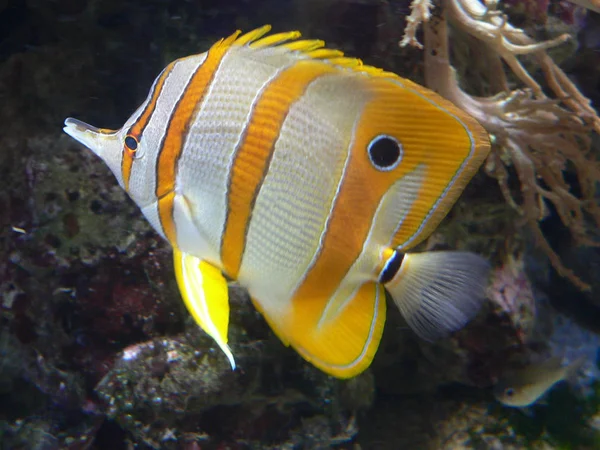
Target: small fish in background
(524,387)
(305,176)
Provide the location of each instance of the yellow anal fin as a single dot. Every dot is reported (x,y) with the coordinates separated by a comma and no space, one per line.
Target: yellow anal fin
(205,294)
(343,346)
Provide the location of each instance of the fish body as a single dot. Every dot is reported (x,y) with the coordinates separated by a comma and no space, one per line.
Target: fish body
(524,387)
(305,176)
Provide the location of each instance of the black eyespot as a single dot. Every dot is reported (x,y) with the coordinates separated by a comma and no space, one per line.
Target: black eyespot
(509,392)
(131,143)
(391,267)
(385,152)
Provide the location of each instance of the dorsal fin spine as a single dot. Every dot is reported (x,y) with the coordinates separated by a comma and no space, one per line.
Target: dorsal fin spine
(305,45)
(311,48)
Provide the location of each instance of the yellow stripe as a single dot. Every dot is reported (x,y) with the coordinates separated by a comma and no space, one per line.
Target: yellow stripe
(140,124)
(178,127)
(254,154)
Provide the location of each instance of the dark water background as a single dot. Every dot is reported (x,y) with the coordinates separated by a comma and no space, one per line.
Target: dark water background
(84,278)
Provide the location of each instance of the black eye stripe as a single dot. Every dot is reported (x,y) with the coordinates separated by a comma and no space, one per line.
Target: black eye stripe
(131,143)
(385,152)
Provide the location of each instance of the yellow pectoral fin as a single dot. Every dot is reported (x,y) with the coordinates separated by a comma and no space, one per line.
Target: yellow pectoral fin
(343,346)
(205,294)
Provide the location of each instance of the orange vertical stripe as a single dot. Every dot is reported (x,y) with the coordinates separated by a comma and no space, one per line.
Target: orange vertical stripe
(254,154)
(140,124)
(178,127)
(429,136)
(165,212)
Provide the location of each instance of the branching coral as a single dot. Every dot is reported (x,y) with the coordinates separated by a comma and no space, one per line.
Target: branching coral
(540,135)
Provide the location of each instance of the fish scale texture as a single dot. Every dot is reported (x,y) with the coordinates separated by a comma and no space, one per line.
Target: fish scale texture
(294,203)
(204,167)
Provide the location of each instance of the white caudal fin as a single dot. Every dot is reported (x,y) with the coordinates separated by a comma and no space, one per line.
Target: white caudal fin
(439,292)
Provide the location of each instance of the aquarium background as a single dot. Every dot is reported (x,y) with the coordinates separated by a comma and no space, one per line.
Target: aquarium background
(97,350)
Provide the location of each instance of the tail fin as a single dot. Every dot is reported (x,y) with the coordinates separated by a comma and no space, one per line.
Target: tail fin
(439,292)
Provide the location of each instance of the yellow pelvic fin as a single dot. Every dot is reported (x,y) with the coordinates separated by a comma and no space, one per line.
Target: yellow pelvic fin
(205,294)
(343,346)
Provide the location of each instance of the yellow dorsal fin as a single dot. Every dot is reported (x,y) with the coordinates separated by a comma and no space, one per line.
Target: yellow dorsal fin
(251,36)
(326,53)
(275,39)
(304,48)
(305,45)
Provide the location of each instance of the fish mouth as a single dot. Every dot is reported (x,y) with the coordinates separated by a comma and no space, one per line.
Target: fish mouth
(71,123)
(87,134)
(82,132)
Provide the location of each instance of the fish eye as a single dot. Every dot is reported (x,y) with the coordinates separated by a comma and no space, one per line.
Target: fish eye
(131,143)
(385,152)
(509,392)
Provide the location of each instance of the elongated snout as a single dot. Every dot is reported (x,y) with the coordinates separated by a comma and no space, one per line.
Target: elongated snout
(107,144)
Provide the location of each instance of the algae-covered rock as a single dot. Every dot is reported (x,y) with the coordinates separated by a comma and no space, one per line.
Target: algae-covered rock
(168,390)
(175,376)
(155,387)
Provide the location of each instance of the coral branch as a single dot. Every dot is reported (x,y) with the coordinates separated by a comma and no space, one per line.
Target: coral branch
(420,12)
(537,135)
